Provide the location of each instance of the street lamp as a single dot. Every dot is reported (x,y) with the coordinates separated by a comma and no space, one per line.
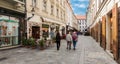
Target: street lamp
(27,19)
(33,11)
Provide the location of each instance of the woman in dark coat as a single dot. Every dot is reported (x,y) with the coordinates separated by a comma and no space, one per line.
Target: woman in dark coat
(58,38)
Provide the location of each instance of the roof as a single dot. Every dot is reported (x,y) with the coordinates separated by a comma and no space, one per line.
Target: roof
(80,16)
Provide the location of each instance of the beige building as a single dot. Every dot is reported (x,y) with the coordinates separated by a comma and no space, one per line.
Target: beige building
(75,22)
(105,20)
(49,16)
(71,20)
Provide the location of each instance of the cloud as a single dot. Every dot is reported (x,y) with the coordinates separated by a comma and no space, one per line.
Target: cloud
(81,0)
(80,5)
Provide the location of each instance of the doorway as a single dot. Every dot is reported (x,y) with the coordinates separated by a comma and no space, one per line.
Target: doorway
(103,32)
(36,32)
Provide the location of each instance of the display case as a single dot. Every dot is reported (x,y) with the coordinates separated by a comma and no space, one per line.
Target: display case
(8,31)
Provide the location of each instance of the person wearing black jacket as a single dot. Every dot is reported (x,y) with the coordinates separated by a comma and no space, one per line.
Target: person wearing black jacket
(58,38)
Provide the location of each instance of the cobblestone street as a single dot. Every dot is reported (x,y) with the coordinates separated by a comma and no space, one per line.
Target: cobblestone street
(87,52)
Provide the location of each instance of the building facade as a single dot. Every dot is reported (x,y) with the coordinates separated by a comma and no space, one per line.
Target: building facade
(12,28)
(105,25)
(71,21)
(75,23)
(20,19)
(82,23)
(49,16)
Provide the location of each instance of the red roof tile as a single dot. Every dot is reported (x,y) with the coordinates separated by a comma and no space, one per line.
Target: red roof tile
(80,17)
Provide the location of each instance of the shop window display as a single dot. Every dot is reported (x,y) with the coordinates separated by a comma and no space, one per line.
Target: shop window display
(45,30)
(8,31)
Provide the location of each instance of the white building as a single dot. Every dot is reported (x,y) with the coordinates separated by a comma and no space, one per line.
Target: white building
(82,23)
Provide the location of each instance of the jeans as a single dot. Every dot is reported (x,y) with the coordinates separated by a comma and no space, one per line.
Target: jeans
(69,45)
(74,43)
(58,44)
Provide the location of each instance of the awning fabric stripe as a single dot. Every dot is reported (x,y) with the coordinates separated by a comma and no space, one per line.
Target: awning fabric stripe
(7,20)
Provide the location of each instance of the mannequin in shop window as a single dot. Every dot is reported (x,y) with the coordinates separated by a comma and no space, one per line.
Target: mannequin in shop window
(52,34)
(44,34)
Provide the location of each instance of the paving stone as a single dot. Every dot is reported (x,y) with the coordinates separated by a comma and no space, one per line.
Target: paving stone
(87,52)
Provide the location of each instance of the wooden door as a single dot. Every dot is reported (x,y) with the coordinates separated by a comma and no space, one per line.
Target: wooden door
(36,32)
(111,43)
(115,31)
(119,33)
(100,34)
(104,32)
(97,32)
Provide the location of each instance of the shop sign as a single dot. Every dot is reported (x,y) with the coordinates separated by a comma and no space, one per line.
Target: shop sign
(45,26)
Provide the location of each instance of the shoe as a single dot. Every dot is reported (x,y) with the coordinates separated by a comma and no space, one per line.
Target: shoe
(74,48)
(67,48)
(57,49)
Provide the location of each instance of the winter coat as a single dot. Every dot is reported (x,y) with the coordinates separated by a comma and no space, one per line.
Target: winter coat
(74,36)
(68,37)
(58,38)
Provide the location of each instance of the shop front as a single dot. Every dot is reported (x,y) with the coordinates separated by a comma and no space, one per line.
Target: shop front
(34,29)
(45,30)
(8,30)
(11,27)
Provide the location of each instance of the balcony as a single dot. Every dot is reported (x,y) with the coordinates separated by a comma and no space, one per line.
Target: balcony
(16,5)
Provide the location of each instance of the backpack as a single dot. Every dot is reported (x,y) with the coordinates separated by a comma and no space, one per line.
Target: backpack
(74,36)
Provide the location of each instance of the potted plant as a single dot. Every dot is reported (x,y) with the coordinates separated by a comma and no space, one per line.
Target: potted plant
(32,43)
(24,42)
(41,44)
(27,43)
(54,39)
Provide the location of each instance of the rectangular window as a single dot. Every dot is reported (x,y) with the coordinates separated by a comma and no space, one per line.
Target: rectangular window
(79,22)
(57,13)
(52,8)
(44,5)
(64,16)
(34,3)
(61,14)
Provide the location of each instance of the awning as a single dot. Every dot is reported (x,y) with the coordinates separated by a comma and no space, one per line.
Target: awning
(7,20)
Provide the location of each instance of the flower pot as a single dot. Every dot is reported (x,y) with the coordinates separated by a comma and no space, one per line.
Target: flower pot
(42,48)
(33,47)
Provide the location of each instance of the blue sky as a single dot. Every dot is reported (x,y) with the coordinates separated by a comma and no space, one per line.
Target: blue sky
(79,6)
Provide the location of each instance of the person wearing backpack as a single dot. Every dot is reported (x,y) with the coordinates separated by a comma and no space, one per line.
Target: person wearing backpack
(74,37)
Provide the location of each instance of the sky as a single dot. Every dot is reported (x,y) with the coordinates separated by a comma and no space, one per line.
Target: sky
(79,6)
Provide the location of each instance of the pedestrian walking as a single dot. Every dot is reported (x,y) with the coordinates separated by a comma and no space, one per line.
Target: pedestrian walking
(58,39)
(69,40)
(74,37)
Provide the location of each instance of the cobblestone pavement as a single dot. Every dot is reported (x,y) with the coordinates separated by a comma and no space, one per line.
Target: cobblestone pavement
(88,52)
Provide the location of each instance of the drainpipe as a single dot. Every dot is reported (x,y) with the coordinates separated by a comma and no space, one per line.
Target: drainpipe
(25,19)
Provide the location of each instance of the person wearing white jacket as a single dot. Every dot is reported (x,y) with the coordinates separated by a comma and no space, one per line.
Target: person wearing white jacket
(69,40)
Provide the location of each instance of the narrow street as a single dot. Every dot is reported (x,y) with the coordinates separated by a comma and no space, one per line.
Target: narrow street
(87,52)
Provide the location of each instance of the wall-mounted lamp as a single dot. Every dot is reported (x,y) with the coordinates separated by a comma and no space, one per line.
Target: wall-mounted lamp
(33,11)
